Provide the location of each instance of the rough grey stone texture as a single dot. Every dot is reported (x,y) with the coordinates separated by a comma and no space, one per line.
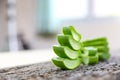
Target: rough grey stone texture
(109,70)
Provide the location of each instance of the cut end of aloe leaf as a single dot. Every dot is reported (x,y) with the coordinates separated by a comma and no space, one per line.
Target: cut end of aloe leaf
(66,52)
(90,51)
(71,54)
(67,40)
(75,44)
(70,30)
(63,40)
(66,31)
(59,51)
(90,60)
(64,63)
(75,34)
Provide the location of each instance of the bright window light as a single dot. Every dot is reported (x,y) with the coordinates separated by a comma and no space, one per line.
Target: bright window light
(70,9)
(106,8)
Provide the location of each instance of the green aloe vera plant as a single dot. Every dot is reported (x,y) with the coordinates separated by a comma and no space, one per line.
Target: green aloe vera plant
(72,52)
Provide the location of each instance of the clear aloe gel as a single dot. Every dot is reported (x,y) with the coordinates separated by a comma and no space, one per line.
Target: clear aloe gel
(65,63)
(66,52)
(67,40)
(70,30)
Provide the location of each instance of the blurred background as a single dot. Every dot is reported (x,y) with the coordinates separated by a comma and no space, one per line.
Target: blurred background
(33,24)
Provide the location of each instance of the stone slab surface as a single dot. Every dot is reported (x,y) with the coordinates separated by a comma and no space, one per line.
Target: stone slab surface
(109,70)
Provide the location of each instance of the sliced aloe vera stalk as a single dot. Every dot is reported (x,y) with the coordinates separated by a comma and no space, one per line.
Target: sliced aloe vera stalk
(102,48)
(67,40)
(103,39)
(104,56)
(90,51)
(89,60)
(70,30)
(64,63)
(96,43)
(66,52)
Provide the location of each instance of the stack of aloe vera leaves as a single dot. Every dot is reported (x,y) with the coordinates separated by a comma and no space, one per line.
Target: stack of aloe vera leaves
(101,44)
(72,52)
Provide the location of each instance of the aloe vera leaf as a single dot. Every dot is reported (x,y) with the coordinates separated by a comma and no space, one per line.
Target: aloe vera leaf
(102,48)
(90,51)
(63,40)
(67,40)
(66,52)
(90,60)
(64,63)
(96,43)
(80,54)
(103,39)
(70,30)
(104,56)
